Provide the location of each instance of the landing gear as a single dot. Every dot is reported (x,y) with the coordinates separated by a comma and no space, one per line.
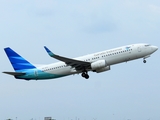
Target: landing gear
(144,61)
(85,74)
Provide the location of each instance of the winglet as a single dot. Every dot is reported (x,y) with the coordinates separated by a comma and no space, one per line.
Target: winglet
(49,52)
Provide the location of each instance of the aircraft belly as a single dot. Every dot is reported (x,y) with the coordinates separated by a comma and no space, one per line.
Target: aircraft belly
(50,76)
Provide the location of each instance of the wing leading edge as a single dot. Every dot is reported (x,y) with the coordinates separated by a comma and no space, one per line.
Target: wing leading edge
(77,64)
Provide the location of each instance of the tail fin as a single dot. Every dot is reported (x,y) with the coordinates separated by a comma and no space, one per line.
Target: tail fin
(18,62)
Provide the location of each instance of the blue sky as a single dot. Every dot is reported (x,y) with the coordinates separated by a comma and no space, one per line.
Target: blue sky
(74,28)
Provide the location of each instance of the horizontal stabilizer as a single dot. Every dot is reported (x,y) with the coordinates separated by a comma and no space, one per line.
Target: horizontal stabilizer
(15,73)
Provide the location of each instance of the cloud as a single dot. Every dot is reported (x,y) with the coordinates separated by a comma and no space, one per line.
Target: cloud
(74,28)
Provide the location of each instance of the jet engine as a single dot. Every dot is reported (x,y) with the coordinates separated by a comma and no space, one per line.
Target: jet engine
(98,65)
(103,69)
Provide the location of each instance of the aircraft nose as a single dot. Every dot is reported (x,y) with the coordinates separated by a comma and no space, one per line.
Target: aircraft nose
(154,48)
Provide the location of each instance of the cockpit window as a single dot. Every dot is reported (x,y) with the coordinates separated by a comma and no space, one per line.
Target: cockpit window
(147,45)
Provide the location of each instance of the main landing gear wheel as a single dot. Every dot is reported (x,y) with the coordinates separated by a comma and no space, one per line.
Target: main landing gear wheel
(85,75)
(144,61)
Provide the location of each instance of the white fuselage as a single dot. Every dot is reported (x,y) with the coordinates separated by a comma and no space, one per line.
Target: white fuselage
(112,56)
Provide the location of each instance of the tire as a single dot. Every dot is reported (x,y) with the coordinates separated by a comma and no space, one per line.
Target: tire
(144,61)
(83,74)
(86,76)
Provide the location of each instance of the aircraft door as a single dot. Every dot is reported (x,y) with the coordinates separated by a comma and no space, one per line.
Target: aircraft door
(139,49)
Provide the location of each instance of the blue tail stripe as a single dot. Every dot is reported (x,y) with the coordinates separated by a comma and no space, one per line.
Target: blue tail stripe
(18,62)
(22,66)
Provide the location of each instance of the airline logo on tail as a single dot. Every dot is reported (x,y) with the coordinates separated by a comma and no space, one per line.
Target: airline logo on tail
(18,62)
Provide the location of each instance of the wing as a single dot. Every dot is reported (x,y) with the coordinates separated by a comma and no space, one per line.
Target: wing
(77,64)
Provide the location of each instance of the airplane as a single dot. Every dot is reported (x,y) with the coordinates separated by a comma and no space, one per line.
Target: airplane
(96,62)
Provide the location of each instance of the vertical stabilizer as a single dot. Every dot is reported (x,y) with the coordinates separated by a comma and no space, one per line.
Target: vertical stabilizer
(18,62)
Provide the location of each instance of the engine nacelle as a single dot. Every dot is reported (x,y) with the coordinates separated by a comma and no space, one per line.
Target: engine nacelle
(98,65)
(103,69)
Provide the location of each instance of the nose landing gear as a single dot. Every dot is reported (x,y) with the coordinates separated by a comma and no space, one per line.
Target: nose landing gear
(144,61)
